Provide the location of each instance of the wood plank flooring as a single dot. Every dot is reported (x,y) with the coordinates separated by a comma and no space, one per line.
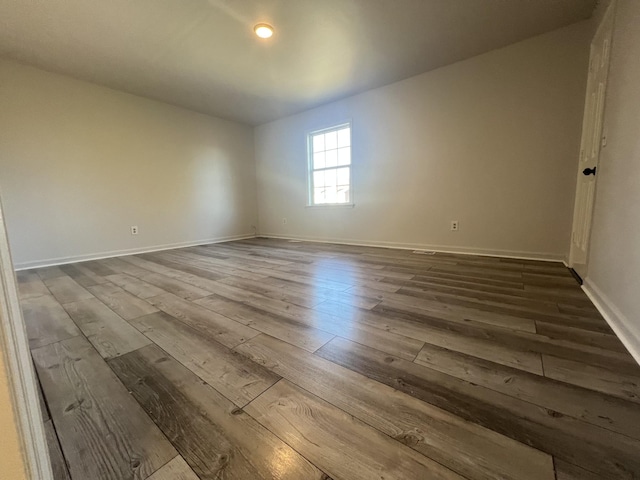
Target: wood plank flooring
(269,359)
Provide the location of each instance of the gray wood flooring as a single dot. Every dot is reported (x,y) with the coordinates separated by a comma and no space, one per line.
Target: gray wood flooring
(269,359)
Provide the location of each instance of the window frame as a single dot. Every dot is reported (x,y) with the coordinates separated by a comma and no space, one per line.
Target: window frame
(311,170)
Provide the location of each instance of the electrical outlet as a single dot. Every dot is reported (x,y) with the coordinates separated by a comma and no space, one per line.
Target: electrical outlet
(134,230)
(284,221)
(454,225)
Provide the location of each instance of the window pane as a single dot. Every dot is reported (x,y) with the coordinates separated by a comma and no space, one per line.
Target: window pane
(343,195)
(343,176)
(331,158)
(331,194)
(330,178)
(331,140)
(344,137)
(318,179)
(318,160)
(319,195)
(344,156)
(318,142)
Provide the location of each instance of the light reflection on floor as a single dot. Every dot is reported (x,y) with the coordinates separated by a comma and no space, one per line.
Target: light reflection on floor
(337,318)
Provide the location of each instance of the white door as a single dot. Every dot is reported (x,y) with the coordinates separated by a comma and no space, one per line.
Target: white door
(592,140)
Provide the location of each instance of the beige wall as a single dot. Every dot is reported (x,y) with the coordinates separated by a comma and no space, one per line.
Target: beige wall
(491,142)
(614,259)
(11,460)
(80,164)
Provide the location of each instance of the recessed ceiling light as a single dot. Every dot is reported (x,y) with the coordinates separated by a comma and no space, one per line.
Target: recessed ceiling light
(263,30)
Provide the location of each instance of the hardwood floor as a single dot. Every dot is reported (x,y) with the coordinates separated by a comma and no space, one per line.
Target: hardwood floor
(293,360)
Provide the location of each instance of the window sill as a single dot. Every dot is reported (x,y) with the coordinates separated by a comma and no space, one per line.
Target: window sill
(332,205)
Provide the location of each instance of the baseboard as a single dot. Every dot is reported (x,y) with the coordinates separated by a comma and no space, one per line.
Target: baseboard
(621,325)
(543,257)
(132,251)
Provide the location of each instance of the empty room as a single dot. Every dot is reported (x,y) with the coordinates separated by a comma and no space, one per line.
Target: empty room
(330,240)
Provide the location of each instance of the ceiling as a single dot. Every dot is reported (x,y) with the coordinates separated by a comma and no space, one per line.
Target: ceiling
(203,54)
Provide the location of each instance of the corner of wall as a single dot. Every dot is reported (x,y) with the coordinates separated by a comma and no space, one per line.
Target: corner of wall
(623,327)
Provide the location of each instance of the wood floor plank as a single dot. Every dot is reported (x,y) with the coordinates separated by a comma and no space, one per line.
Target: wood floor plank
(176,469)
(599,450)
(119,266)
(46,321)
(85,277)
(123,303)
(339,444)
(237,378)
(323,274)
(239,259)
(277,326)
(175,281)
(568,471)
(33,288)
(109,334)
(103,432)
(573,299)
(24,276)
(306,280)
(618,384)
(58,464)
(547,280)
(89,275)
(550,268)
(46,273)
(443,334)
(98,267)
(224,267)
(428,276)
(263,251)
(402,346)
(166,260)
(586,309)
(44,410)
(310,294)
(466,448)
(515,307)
(479,272)
(516,289)
(607,341)
(176,287)
(435,291)
(217,439)
(462,313)
(135,286)
(263,288)
(65,290)
(592,407)
(483,349)
(215,326)
(522,341)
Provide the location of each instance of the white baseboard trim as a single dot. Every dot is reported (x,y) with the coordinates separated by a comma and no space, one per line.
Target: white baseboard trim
(621,325)
(543,257)
(132,251)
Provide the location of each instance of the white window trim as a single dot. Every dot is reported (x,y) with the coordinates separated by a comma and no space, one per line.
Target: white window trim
(310,170)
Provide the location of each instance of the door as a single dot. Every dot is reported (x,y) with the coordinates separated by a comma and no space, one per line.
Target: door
(592,141)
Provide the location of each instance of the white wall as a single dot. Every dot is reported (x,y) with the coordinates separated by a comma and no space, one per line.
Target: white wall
(614,259)
(80,164)
(491,142)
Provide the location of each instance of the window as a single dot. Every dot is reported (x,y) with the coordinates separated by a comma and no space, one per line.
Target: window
(330,166)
